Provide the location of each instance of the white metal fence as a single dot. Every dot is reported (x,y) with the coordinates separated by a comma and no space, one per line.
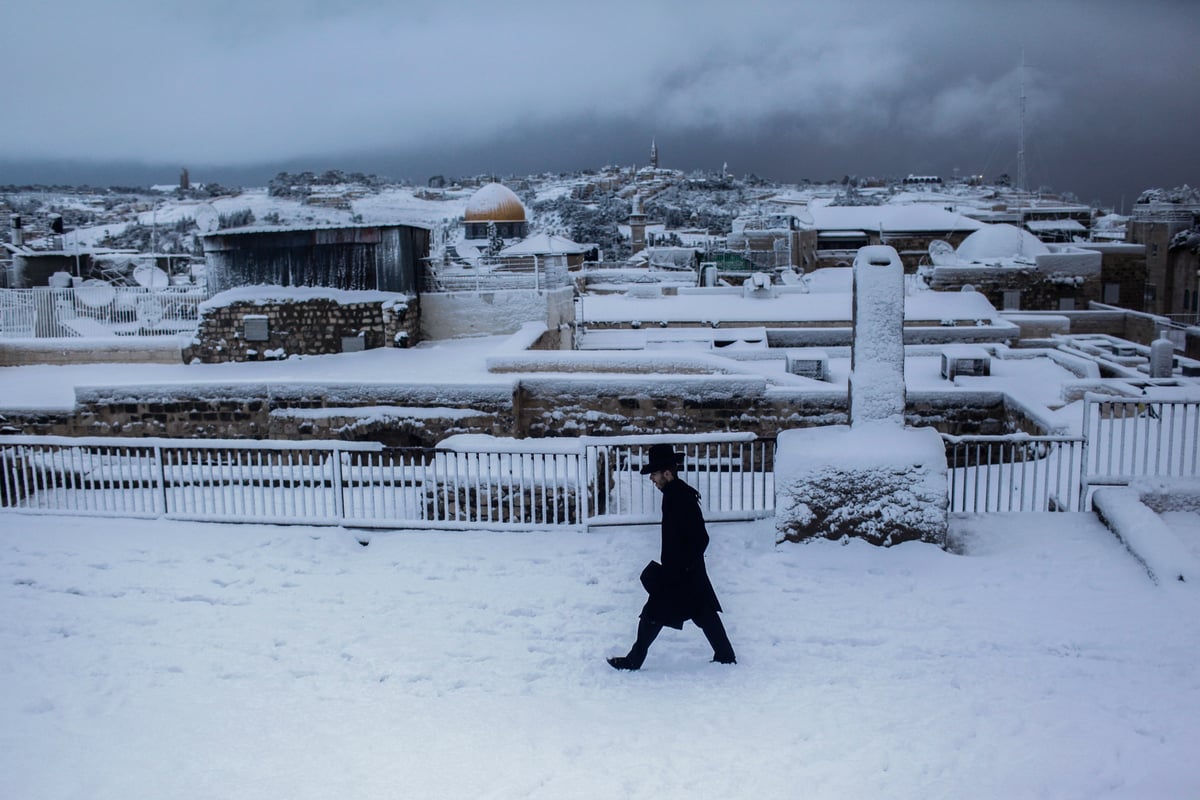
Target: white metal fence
(1123,439)
(1014,473)
(575,482)
(99,310)
(1129,438)
(553,482)
(487,274)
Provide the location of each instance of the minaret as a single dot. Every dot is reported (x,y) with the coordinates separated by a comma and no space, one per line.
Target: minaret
(637,225)
(653,154)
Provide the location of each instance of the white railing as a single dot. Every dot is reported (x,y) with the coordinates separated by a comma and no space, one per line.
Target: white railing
(529,485)
(102,310)
(1016,472)
(487,274)
(1123,439)
(533,484)
(1130,438)
(734,473)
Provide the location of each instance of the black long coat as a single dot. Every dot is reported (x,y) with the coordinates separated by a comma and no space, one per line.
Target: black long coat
(683,589)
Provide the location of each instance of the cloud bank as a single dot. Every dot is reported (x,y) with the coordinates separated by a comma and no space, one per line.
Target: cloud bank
(800,87)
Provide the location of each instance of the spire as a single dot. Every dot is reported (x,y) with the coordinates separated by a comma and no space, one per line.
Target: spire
(653,153)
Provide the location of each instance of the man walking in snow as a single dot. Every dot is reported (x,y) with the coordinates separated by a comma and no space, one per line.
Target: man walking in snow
(679,587)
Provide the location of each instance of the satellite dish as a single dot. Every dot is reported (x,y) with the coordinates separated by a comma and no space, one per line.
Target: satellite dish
(95,293)
(942,254)
(150,276)
(207,218)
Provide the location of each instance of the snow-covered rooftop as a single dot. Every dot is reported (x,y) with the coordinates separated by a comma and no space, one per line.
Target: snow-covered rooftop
(544,244)
(304,228)
(785,307)
(913,217)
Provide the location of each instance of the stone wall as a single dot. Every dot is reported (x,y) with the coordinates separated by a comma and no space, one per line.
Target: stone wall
(303,326)
(1124,265)
(571,406)
(394,415)
(1039,292)
(532,407)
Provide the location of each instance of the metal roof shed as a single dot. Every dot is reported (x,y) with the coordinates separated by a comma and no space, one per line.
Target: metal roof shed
(354,257)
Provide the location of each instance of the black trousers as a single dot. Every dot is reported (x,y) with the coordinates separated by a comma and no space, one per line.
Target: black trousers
(708,621)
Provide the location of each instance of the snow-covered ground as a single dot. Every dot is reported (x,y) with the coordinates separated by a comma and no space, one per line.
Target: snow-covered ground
(180,660)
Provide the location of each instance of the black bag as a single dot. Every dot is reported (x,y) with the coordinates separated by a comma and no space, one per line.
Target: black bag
(652,577)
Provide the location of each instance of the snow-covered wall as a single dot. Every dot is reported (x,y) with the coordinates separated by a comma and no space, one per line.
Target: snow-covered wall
(452,315)
(1148,538)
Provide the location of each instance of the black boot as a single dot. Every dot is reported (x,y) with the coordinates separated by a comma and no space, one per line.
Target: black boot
(647,633)
(714,631)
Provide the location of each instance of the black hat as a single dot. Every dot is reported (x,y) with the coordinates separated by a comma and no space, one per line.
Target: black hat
(662,457)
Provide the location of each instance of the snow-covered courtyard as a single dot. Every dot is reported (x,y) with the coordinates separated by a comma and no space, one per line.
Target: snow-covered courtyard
(161,659)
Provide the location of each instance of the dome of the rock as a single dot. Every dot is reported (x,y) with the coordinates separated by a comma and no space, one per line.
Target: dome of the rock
(494,202)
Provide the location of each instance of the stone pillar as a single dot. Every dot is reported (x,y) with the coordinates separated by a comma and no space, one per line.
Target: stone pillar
(877,350)
(873,479)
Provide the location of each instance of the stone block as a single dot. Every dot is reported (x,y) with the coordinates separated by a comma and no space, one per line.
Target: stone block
(879,482)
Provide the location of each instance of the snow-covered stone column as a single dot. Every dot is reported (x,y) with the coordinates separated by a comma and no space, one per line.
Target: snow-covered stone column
(877,347)
(873,479)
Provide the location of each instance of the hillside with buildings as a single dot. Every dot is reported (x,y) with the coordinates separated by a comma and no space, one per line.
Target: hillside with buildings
(617,300)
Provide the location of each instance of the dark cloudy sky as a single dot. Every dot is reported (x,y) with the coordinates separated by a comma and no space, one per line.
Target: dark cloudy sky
(787,89)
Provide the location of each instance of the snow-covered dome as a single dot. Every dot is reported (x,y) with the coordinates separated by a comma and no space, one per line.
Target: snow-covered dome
(993,242)
(494,202)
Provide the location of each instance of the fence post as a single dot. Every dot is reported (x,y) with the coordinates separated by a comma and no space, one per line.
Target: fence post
(161,477)
(339,501)
(1084,452)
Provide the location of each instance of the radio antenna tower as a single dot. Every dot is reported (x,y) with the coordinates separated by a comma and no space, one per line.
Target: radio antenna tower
(1021,134)
(1021,163)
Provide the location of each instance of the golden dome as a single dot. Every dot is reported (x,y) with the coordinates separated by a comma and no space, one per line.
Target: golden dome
(494,202)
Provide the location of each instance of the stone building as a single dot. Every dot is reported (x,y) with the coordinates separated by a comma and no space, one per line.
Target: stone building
(1158,217)
(310,291)
(1017,271)
(1183,263)
(910,229)
(774,241)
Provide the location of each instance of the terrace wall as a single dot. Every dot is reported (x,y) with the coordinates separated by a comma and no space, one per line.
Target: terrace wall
(533,407)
